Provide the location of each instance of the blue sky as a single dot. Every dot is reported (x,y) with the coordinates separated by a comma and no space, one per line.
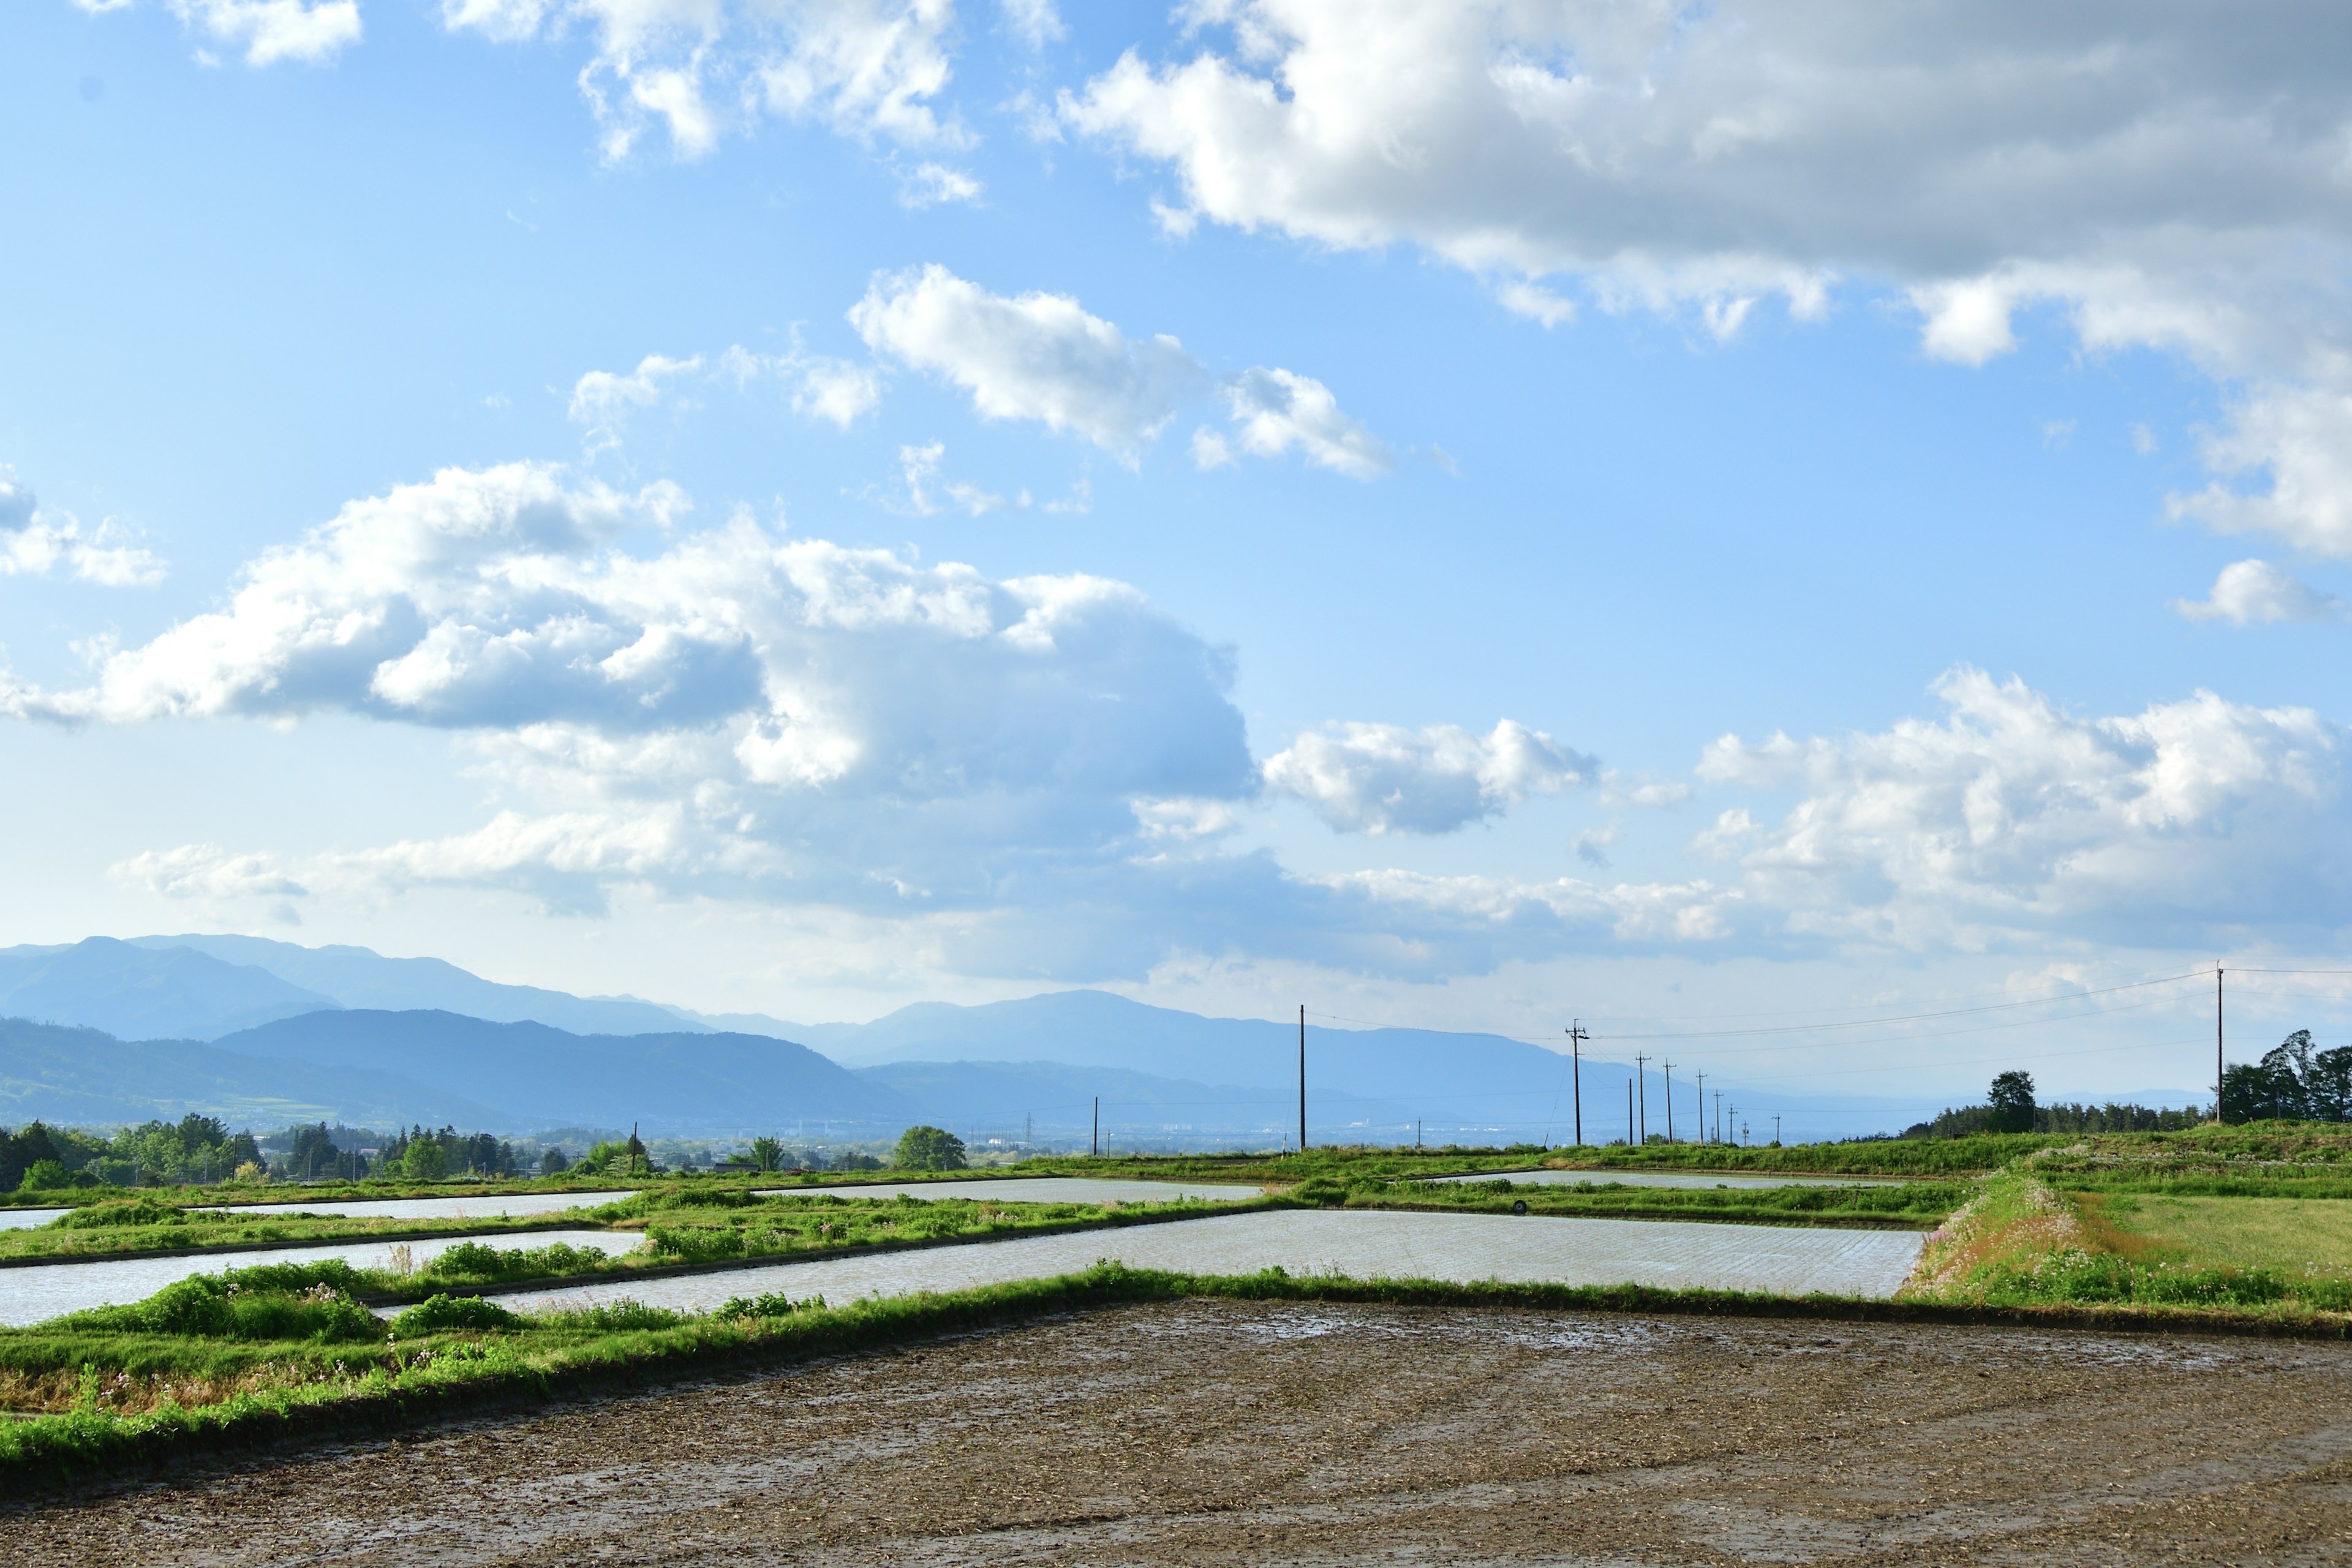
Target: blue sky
(1960,394)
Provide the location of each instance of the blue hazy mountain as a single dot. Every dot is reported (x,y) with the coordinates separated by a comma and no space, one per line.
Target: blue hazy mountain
(77,1077)
(134,992)
(532,1074)
(359,977)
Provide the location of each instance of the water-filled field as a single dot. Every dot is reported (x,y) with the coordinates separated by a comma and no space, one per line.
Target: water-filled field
(32,1294)
(1038,1190)
(25,1219)
(1359,1242)
(502,1206)
(1658,1179)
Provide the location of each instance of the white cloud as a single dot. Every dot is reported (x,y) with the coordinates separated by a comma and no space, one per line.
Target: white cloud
(703,67)
(1042,356)
(736,713)
(310,31)
(36,540)
(1592,845)
(2301,438)
(931,185)
(1382,778)
(1038,22)
(1038,356)
(822,387)
(1619,789)
(2010,819)
(2251,591)
(1277,410)
(603,400)
(919,467)
(2169,178)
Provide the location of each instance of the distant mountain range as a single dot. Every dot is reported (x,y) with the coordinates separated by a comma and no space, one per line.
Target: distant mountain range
(269,1032)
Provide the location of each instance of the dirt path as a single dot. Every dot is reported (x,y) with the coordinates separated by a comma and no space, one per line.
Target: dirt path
(1241,1433)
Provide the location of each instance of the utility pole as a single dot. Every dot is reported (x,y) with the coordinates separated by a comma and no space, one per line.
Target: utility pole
(1629,1113)
(1775,1130)
(1302,1078)
(1718,1116)
(1416,1132)
(1096,1146)
(1702,1107)
(1576,1038)
(2220,1072)
(1669,1065)
(1642,1094)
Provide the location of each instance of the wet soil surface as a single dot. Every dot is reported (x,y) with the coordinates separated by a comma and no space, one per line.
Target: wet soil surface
(1218,1432)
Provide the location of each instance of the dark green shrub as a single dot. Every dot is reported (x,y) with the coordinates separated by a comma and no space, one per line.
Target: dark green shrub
(108,1217)
(285,1301)
(695,1243)
(474,1261)
(775,1304)
(440,1314)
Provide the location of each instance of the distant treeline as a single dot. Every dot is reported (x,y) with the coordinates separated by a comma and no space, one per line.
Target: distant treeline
(1971,1120)
(40,1158)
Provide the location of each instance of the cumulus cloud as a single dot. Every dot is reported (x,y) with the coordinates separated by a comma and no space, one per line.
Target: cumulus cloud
(734,711)
(1042,356)
(603,400)
(2169,178)
(34,540)
(700,69)
(310,31)
(932,185)
(1382,778)
(1277,410)
(2251,591)
(1038,356)
(820,387)
(2010,819)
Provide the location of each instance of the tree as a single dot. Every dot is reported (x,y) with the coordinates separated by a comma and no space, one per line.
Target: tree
(44,1175)
(423,1161)
(928,1149)
(553,1163)
(2012,1103)
(2280,1088)
(767,1153)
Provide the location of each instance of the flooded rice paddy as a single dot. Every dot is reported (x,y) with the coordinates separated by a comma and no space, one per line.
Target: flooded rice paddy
(1708,1179)
(1036,1190)
(26,1219)
(1363,1243)
(497,1205)
(35,1294)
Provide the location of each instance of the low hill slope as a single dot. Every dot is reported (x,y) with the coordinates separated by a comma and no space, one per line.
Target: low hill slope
(675,1082)
(55,1073)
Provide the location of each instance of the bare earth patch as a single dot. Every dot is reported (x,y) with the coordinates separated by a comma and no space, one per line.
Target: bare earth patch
(1256,1433)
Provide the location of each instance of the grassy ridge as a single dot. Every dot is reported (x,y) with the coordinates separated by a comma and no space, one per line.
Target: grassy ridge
(1915,1205)
(2022,1242)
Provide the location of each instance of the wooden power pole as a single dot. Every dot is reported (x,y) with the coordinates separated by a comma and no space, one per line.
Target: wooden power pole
(1576,1038)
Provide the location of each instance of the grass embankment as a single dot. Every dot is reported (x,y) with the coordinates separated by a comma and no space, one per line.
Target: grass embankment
(141,1225)
(246,1195)
(682,1223)
(2023,1242)
(1893,1205)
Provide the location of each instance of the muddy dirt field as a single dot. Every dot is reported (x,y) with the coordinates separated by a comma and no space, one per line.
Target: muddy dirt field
(1240,1433)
